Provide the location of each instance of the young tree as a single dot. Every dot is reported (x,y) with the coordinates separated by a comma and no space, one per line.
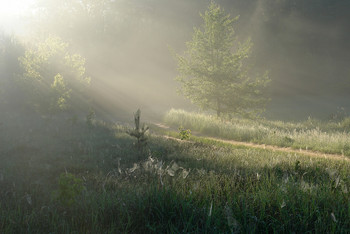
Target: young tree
(53,79)
(213,71)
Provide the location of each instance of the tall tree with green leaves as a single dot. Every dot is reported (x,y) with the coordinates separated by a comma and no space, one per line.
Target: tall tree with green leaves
(54,79)
(214,72)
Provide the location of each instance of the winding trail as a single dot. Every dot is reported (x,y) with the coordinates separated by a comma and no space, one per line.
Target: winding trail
(263,146)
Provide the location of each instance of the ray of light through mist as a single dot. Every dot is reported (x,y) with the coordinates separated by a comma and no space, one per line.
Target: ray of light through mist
(128,44)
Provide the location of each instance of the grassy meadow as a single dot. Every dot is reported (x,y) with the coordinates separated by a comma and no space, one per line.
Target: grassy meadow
(75,159)
(71,176)
(312,134)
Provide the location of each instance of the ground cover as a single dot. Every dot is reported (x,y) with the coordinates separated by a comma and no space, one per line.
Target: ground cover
(68,176)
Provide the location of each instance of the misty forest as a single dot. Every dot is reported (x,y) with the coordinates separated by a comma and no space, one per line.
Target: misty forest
(174,116)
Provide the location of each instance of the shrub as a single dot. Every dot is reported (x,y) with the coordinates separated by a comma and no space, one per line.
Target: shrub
(53,79)
(184,134)
(70,187)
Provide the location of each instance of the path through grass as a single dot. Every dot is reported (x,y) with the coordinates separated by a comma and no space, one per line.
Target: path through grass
(198,185)
(314,135)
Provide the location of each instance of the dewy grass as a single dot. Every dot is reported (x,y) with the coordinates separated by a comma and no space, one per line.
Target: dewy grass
(311,134)
(197,185)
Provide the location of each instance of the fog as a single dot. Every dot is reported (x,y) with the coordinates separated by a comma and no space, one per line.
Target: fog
(128,49)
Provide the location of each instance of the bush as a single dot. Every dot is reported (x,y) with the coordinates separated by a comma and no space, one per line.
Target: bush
(69,189)
(184,134)
(54,79)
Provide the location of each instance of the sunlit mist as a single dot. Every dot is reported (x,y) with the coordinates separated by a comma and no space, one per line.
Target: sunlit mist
(129,48)
(14,14)
(174,116)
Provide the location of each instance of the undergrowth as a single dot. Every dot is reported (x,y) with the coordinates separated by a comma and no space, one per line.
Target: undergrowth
(193,186)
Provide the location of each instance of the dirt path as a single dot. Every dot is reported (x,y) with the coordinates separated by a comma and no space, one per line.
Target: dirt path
(283,149)
(268,147)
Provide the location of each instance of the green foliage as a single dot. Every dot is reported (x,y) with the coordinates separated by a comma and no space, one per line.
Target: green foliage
(70,187)
(60,94)
(53,79)
(184,134)
(213,71)
(139,132)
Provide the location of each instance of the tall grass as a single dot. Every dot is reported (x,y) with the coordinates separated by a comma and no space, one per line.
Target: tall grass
(312,134)
(197,186)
